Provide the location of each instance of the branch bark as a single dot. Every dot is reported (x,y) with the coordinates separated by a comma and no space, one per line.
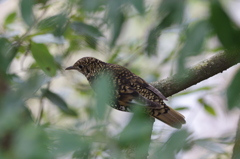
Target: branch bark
(204,70)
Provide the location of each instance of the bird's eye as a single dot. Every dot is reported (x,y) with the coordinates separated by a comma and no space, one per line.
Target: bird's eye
(80,66)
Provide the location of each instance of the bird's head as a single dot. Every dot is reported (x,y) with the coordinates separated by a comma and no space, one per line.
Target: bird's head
(87,66)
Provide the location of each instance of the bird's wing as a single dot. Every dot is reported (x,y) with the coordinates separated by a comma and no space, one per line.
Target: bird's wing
(157,92)
(143,84)
(131,99)
(128,96)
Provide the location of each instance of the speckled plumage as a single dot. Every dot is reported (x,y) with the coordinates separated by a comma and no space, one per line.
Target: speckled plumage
(127,88)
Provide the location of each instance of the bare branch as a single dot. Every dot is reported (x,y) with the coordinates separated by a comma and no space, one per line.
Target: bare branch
(204,70)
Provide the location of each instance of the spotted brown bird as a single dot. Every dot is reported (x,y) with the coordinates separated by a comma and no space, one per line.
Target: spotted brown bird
(128,88)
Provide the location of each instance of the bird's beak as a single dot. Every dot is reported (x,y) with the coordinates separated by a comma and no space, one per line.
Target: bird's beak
(71,68)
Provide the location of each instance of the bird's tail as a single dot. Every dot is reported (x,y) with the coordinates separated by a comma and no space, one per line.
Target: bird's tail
(170,117)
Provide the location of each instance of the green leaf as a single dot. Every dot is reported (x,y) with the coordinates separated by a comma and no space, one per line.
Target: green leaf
(139,5)
(233,92)
(91,41)
(44,59)
(176,142)
(195,90)
(83,153)
(142,124)
(195,37)
(171,13)
(26,7)
(89,32)
(209,144)
(15,98)
(85,29)
(181,108)
(58,101)
(29,87)
(227,31)
(41,1)
(116,18)
(56,24)
(209,109)
(65,141)
(7,53)
(173,10)
(103,90)
(31,142)
(91,5)
(152,41)
(10,18)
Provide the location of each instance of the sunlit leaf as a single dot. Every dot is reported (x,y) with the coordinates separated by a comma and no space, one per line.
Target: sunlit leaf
(44,59)
(226,30)
(26,7)
(233,92)
(10,18)
(181,108)
(59,102)
(208,108)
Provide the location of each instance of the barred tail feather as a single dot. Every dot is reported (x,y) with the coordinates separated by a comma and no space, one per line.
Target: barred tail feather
(171,117)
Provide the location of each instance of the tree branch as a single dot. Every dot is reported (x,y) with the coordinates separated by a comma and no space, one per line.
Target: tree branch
(182,80)
(204,70)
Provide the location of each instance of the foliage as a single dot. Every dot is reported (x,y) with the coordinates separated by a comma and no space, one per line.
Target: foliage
(54,31)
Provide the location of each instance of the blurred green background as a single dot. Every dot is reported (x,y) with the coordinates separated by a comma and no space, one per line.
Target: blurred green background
(47,112)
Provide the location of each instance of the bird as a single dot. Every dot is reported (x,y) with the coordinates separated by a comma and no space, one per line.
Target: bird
(128,90)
